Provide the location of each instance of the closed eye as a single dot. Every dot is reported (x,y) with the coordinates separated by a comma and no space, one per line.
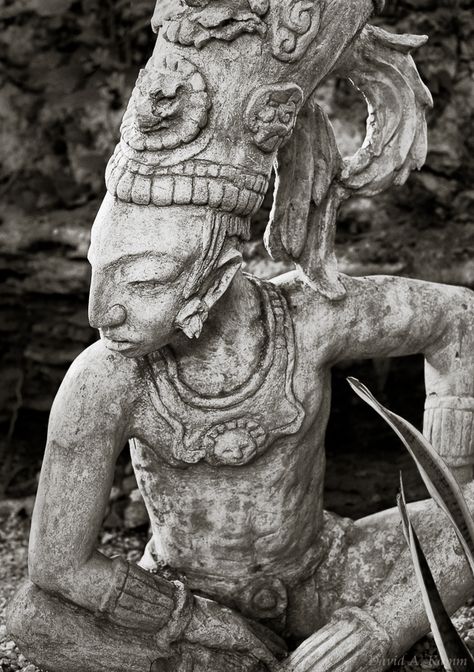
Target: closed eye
(146,284)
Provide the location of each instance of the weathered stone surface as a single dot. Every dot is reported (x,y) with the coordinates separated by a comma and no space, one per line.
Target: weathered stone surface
(221,381)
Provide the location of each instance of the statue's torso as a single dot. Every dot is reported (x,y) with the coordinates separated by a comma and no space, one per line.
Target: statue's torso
(233,484)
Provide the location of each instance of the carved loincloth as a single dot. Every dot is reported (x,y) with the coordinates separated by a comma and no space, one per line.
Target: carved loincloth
(296,600)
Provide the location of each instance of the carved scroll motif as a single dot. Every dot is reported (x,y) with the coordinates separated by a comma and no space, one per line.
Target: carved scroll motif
(271,114)
(381,67)
(294,26)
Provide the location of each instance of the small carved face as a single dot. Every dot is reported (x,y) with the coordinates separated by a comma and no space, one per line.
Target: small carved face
(271,114)
(168,107)
(234,443)
(286,28)
(142,259)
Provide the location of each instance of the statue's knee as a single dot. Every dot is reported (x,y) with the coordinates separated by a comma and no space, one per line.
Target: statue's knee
(25,613)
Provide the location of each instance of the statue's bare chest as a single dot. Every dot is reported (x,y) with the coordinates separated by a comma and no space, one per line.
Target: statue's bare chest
(235,428)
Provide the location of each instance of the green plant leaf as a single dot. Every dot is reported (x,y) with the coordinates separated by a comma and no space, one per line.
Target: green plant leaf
(454,654)
(438,478)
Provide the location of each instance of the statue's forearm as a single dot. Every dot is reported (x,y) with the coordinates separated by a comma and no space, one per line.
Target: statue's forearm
(404,317)
(125,594)
(139,600)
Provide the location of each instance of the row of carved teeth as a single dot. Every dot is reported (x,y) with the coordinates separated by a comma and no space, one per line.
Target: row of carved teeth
(192,168)
(252,427)
(168,190)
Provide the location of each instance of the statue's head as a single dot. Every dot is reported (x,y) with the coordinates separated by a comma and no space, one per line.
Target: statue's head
(150,278)
(226,95)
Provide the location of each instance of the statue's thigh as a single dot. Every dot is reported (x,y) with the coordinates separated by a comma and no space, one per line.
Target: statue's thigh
(368,557)
(58,636)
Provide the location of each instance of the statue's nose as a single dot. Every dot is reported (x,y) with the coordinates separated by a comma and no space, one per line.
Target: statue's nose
(114,316)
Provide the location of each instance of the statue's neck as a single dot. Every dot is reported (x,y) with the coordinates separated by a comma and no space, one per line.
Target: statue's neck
(230,345)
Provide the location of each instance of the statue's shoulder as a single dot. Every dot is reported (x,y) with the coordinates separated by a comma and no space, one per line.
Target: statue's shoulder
(316,319)
(99,372)
(303,301)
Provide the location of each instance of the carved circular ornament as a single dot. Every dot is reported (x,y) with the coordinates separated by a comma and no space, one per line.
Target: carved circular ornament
(271,114)
(266,597)
(169,105)
(233,443)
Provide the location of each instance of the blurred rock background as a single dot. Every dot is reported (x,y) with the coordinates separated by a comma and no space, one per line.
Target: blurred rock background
(67,68)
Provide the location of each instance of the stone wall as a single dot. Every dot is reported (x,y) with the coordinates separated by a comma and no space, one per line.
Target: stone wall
(67,70)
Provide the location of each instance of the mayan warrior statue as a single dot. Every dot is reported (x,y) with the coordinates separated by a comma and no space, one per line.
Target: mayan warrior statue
(221,382)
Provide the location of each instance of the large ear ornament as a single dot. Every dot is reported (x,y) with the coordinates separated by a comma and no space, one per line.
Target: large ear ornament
(313,179)
(220,277)
(302,220)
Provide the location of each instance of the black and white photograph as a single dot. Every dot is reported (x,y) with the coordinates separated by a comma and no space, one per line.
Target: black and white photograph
(236,336)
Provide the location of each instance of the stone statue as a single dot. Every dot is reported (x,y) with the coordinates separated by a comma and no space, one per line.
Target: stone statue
(221,382)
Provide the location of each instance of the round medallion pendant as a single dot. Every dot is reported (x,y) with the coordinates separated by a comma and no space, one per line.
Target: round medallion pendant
(234,443)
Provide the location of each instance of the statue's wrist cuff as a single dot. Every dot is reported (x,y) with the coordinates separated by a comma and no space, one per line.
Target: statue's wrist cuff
(350,634)
(365,622)
(139,599)
(449,426)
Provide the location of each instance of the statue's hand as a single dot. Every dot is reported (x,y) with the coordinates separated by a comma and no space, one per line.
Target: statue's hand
(352,641)
(215,626)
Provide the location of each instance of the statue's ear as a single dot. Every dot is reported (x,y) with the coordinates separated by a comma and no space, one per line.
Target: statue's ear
(220,276)
(195,309)
(313,179)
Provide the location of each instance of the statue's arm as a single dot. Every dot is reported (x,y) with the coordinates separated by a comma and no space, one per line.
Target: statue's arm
(388,317)
(88,429)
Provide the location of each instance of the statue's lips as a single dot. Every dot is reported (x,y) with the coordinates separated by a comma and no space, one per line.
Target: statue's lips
(118,345)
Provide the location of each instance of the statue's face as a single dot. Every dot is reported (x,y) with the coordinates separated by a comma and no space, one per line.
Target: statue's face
(142,257)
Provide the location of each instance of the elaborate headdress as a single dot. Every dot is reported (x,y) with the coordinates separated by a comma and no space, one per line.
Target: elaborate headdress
(228,93)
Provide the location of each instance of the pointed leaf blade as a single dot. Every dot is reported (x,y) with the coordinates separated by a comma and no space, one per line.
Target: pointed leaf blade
(452,650)
(439,480)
